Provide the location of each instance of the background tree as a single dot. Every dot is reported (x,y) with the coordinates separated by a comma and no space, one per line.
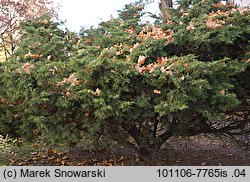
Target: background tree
(164,8)
(12,12)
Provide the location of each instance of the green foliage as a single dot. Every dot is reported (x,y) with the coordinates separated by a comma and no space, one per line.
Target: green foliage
(42,39)
(214,33)
(115,31)
(142,83)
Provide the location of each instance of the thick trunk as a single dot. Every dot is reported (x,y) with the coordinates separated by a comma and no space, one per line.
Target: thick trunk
(149,155)
(148,146)
(164,6)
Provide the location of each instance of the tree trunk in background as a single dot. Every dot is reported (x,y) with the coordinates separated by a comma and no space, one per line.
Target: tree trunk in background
(164,8)
(169,3)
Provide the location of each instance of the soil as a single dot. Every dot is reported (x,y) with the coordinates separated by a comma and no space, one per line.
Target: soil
(202,150)
(209,151)
(194,151)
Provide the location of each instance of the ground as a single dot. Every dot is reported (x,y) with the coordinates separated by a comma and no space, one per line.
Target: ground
(201,150)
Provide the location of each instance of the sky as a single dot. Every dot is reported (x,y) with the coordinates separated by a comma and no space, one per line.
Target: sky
(80,13)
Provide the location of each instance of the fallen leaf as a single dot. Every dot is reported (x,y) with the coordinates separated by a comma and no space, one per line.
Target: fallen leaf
(36,145)
(170,22)
(65,158)
(121,158)
(44,22)
(60,153)
(22,164)
(170,40)
(150,68)
(162,60)
(196,155)
(110,160)
(170,73)
(67,93)
(72,79)
(12,160)
(51,158)
(203,163)
(134,47)
(141,60)
(191,26)
(128,58)
(138,68)
(212,24)
(221,92)
(49,57)
(42,156)
(34,153)
(97,92)
(242,10)
(26,68)
(157,91)
(122,23)
(170,66)
(118,53)
(163,70)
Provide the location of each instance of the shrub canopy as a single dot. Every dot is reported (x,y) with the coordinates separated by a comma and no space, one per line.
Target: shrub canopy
(136,84)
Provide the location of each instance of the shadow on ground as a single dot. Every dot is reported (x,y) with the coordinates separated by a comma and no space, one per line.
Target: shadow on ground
(202,150)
